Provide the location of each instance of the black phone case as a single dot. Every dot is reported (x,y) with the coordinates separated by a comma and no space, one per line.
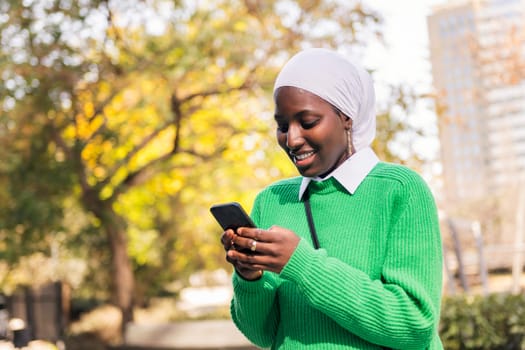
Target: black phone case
(231,215)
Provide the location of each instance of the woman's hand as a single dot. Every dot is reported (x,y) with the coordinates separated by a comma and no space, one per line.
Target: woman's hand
(258,250)
(246,272)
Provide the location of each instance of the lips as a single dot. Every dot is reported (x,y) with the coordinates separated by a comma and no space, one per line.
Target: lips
(301,157)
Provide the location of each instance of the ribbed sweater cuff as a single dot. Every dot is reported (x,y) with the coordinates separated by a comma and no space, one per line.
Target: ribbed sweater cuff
(267,281)
(299,262)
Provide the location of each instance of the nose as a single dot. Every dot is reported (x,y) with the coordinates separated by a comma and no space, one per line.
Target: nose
(294,137)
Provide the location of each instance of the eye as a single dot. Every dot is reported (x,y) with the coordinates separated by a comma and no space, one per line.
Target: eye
(282,127)
(309,124)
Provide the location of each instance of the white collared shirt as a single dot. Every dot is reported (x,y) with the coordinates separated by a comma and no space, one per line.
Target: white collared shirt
(351,173)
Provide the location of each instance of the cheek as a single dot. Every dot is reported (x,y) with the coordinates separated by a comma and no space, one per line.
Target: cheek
(342,145)
(336,143)
(281,139)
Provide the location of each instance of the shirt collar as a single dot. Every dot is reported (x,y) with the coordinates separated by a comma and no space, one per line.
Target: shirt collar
(350,174)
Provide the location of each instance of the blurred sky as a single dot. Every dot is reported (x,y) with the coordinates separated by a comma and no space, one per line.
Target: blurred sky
(405,59)
(405,30)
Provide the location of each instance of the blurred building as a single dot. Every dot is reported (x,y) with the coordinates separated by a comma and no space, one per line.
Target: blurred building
(477,51)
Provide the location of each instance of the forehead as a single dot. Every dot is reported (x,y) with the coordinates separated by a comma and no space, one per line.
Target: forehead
(289,96)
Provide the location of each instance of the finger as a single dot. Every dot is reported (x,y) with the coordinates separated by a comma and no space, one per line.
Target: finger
(224,239)
(253,266)
(259,262)
(253,233)
(258,233)
(256,266)
(250,246)
(239,254)
(231,260)
(228,239)
(254,261)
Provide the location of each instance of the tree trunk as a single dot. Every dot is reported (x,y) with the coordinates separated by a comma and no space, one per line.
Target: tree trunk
(123,280)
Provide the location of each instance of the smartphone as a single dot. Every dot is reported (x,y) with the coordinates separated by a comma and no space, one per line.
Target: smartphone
(231,215)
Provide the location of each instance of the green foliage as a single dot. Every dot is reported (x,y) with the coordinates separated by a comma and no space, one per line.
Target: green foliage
(121,134)
(34,204)
(493,322)
(117,136)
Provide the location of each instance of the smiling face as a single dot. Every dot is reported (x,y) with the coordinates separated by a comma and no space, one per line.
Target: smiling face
(311,131)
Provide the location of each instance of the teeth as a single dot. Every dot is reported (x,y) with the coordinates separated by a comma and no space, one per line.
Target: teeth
(303,156)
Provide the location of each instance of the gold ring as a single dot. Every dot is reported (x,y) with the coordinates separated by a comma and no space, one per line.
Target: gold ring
(254,245)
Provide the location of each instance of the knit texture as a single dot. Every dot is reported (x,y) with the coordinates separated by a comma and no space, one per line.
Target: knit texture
(374,283)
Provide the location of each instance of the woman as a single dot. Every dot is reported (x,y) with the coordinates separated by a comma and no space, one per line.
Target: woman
(366,272)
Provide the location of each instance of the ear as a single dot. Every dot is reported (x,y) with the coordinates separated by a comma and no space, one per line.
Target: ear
(347,121)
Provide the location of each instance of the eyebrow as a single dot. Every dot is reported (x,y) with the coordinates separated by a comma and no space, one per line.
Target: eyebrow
(299,114)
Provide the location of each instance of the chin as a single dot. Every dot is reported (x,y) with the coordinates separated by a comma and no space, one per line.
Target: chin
(307,173)
(313,173)
(303,173)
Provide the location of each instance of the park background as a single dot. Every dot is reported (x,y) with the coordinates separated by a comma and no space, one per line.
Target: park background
(121,123)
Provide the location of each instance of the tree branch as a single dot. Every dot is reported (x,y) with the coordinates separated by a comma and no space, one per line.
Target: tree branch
(145,141)
(72,154)
(144,173)
(139,176)
(247,84)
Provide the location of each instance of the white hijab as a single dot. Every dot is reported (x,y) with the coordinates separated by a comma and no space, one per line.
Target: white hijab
(335,79)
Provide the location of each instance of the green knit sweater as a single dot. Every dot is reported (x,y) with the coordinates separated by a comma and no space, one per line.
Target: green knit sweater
(374,283)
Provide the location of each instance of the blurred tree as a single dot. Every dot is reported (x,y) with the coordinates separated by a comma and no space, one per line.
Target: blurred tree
(136,109)
(393,126)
